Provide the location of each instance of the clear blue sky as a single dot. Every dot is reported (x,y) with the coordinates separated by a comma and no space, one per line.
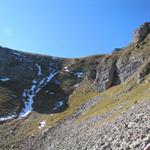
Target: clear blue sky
(70,28)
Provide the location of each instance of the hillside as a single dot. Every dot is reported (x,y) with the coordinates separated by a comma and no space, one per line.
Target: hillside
(96,102)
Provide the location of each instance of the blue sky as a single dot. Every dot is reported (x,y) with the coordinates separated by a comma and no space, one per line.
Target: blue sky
(70,28)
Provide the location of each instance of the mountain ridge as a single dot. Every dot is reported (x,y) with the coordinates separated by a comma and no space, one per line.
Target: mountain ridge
(63,91)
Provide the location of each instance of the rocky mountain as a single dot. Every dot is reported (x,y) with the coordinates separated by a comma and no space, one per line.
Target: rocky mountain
(141,33)
(96,102)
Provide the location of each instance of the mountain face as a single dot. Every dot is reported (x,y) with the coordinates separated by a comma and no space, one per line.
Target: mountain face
(141,33)
(83,103)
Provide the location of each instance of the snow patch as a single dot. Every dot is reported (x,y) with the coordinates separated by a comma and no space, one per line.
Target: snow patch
(79,74)
(42,124)
(42,81)
(15,53)
(24,114)
(4,79)
(66,69)
(11,116)
(58,105)
(29,94)
(34,81)
(39,69)
(24,93)
(76,85)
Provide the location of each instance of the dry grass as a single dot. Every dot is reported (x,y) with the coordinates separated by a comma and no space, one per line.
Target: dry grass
(128,93)
(28,126)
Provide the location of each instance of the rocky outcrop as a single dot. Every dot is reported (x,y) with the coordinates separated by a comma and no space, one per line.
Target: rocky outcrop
(115,70)
(141,32)
(128,65)
(104,75)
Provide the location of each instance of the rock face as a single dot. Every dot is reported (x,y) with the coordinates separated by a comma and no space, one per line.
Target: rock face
(104,75)
(114,70)
(127,66)
(141,32)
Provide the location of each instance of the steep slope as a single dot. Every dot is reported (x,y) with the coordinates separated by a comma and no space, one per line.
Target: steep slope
(25,74)
(76,99)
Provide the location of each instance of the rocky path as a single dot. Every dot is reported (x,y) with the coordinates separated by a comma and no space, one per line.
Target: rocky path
(130,131)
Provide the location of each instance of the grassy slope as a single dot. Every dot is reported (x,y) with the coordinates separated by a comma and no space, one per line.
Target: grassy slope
(29,126)
(126,94)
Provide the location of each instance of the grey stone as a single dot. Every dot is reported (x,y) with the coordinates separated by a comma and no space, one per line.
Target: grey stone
(141,32)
